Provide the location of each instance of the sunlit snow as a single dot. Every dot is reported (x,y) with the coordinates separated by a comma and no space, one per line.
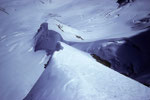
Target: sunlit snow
(71,74)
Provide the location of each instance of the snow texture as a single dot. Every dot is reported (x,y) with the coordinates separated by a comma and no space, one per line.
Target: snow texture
(74,75)
(76,21)
(129,56)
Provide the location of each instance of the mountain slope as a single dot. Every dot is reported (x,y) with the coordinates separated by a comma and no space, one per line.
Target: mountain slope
(76,21)
(75,75)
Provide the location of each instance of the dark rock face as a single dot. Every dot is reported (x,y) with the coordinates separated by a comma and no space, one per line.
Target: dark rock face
(47,40)
(98,59)
(124,2)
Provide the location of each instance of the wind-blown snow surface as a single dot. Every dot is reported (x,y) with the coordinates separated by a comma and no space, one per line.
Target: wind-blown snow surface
(129,56)
(20,67)
(74,75)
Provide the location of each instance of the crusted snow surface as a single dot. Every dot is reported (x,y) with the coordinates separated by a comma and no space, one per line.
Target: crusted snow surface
(74,75)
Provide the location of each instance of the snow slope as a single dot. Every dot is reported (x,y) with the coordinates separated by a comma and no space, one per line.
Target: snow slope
(75,75)
(128,56)
(20,67)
